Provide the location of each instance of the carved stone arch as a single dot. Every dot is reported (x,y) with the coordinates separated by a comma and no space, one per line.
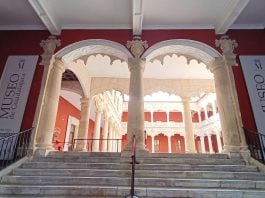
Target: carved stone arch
(188,48)
(100,90)
(81,73)
(99,85)
(93,46)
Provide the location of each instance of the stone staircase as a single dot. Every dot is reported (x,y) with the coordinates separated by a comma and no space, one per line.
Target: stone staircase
(80,174)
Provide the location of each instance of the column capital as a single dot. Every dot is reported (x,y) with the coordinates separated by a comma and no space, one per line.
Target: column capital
(227,46)
(49,45)
(84,101)
(137,47)
(185,99)
(136,63)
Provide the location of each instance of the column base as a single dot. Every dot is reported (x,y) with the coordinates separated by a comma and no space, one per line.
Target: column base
(42,152)
(43,149)
(80,150)
(232,151)
(140,153)
(245,154)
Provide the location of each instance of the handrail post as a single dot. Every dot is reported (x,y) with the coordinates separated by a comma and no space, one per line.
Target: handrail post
(132,192)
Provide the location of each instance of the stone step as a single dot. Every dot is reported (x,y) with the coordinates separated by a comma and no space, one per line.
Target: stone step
(143,182)
(140,173)
(59,165)
(188,155)
(152,155)
(84,154)
(119,191)
(191,161)
(180,167)
(79,159)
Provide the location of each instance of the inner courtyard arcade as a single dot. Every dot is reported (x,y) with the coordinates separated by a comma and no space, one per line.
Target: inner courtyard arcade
(204,118)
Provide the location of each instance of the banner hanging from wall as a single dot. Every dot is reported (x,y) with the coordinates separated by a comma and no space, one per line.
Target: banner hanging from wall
(254,72)
(14,89)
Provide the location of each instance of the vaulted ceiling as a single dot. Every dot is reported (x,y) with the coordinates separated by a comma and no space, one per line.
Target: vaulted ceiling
(56,15)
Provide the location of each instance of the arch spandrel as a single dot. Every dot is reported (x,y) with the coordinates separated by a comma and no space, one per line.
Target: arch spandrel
(93,46)
(189,48)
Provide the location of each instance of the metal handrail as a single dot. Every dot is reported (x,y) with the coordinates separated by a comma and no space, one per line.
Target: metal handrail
(256,144)
(14,147)
(133,162)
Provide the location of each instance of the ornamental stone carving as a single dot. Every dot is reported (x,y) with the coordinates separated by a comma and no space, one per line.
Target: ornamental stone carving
(227,46)
(49,45)
(137,47)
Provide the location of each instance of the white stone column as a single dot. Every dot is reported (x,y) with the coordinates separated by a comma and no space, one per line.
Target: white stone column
(199,116)
(136,92)
(227,101)
(153,143)
(47,60)
(96,134)
(110,137)
(136,104)
(81,145)
(206,113)
(226,110)
(214,107)
(152,117)
(167,113)
(113,142)
(202,144)
(210,143)
(189,137)
(169,143)
(219,143)
(105,132)
(50,107)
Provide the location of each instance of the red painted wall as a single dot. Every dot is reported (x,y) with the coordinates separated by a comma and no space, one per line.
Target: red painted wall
(64,110)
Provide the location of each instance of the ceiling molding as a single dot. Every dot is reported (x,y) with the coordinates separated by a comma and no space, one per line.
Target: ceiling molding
(247,26)
(95,27)
(234,9)
(22,27)
(177,27)
(137,17)
(45,16)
